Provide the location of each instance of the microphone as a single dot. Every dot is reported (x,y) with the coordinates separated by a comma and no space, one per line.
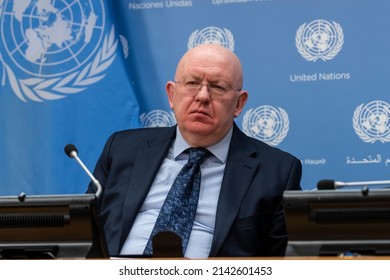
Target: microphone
(72,152)
(333,185)
(167,244)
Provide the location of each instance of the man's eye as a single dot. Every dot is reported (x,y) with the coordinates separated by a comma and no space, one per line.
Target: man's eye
(192,83)
(217,87)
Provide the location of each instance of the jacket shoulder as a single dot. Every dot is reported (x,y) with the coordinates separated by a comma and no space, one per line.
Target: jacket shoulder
(258,148)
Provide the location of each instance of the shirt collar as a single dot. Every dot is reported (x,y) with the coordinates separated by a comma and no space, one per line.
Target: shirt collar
(219,150)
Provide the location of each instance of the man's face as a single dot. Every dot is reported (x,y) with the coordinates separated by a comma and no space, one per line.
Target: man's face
(205,96)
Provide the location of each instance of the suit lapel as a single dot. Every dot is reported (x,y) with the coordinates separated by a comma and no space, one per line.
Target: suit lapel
(143,174)
(241,166)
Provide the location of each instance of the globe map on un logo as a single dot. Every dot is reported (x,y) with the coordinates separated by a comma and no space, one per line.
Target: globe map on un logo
(50,38)
(319,39)
(212,35)
(267,124)
(372,121)
(157,118)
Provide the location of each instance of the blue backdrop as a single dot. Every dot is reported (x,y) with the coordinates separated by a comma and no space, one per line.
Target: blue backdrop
(76,71)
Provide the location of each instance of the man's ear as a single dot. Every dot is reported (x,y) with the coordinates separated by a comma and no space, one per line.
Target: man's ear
(241,103)
(170,90)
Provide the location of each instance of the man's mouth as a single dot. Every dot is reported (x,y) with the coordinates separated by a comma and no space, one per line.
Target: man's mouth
(202,113)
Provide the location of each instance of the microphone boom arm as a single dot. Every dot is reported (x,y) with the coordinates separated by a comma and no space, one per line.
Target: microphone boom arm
(71,151)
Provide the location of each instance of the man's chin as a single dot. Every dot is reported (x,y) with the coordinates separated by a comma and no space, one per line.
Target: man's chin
(201,128)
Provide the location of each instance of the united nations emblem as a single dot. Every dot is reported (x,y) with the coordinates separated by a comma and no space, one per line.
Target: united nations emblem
(267,124)
(157,118)
(212,35)
(319,39)
(51,49)
(371,121)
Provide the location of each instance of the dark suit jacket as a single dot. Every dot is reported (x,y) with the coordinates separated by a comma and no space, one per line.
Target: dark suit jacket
(250,220)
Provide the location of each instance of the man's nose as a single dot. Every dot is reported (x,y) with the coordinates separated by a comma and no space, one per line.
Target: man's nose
(204,92)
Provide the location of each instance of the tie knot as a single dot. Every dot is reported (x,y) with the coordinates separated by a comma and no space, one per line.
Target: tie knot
(198,155)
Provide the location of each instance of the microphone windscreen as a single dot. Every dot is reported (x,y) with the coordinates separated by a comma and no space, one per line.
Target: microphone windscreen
(69,149)
(326,185)
(167,244)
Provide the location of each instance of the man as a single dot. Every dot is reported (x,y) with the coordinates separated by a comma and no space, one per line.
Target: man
(239,210)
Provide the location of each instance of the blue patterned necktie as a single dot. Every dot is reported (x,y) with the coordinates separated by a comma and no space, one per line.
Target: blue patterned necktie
(178,211)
